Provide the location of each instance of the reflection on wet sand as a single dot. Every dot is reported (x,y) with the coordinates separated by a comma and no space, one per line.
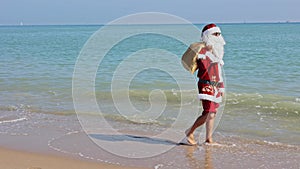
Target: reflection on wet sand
(208,158)
(198,159)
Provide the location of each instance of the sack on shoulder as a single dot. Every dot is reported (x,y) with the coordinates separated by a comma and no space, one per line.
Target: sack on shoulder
(189,58)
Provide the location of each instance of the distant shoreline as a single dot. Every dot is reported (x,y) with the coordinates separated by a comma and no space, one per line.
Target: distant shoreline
(222,23)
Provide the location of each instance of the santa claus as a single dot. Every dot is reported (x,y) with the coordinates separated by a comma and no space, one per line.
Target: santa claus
(210,84)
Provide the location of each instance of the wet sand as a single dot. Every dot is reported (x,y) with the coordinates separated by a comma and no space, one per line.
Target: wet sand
(46,141)
(14,159)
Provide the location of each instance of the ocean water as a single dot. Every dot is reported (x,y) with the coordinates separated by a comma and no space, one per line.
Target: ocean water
(261,71)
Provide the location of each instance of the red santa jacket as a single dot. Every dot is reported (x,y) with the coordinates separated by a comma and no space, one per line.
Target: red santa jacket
(210,84)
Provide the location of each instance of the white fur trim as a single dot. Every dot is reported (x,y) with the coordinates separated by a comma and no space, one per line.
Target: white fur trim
(210,98)
(212,57)
(222,90)
(201,56)
(220,72)
(212,30)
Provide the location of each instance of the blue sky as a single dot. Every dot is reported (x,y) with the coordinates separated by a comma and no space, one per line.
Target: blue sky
(103,11)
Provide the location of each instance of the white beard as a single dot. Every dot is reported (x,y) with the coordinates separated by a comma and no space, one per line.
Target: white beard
(218,50)
(217,43)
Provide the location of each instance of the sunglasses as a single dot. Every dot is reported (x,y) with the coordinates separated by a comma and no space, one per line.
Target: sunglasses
(216,34)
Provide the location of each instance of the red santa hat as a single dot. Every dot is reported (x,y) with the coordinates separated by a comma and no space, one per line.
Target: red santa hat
(210,29)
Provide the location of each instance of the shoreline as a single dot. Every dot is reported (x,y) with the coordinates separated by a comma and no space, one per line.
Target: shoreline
(10,159)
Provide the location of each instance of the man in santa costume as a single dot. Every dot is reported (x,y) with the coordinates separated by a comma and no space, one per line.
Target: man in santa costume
(210,84)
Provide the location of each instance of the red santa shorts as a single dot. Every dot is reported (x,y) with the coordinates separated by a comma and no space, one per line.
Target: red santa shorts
(209,106)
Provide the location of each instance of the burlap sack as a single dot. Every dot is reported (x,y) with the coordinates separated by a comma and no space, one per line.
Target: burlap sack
(189,58)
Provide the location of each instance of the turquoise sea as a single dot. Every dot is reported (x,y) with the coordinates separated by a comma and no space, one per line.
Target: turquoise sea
(262,71)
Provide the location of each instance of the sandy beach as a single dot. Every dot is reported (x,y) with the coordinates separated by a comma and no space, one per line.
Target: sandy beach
(47,144)
(41,126)
(14,159)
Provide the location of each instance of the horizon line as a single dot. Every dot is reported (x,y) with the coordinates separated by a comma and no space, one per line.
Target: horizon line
(102,24)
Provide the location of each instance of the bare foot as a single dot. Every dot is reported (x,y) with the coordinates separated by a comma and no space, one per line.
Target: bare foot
(209,141)
(191,140)
(190,137)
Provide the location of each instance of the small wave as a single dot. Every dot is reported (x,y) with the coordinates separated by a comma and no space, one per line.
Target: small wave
(56,144)
(19,108)
(172,95)
(280,144)
(264,103)
(13,120)
(158,166)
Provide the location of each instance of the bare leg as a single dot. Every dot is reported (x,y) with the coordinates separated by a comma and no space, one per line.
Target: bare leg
(209,127)
(189,132)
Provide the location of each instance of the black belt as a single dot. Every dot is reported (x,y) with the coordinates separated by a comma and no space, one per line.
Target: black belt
(209,82)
